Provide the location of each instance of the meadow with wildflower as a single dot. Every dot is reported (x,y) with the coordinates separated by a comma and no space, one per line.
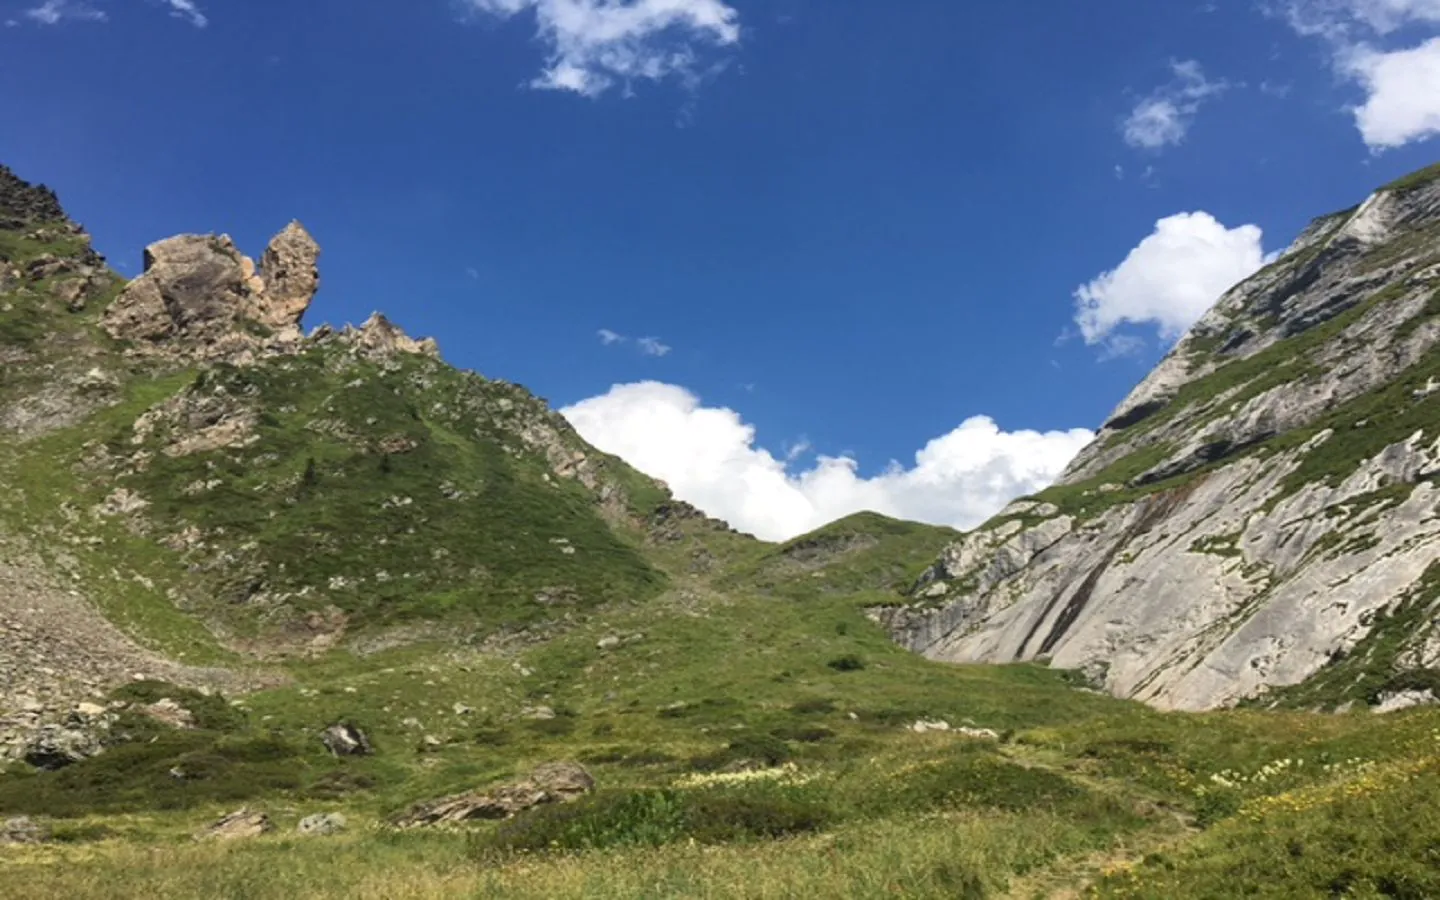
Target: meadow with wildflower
(732,760)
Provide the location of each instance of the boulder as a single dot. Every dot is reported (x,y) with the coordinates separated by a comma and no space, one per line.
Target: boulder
(321,825)
(57,746)
(559,782)
(243,823)
(345,739)
(199,295)
(169,712)
(23,830)
(290,276)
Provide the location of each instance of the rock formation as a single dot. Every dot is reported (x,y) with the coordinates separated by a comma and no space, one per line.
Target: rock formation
(199,296)
(550,783)
(1261,511)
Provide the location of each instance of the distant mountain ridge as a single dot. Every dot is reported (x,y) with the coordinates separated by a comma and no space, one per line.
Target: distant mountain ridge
(1258,520)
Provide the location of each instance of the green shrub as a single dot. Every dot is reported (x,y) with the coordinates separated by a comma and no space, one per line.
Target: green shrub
(803,734)
(211,712)
(751,749)
(655,817)
(813,707)
(1410,680)
(176,770)
(630,757)
(850,662)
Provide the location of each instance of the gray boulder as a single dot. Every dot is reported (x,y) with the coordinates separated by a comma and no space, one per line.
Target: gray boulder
(321,825)
(559,782)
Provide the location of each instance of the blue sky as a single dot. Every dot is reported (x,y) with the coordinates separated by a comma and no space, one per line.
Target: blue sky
(850,226)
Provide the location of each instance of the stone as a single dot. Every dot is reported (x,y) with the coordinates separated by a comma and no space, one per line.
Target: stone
(559,782)
(981,734)
(345,739)
(199,296)
(537,712)
(291,276)
(168,712)
(1394,701)
(22,830)
(243,823)
(57,746)
(321,825)
(925,726)
(379,338)
(609,642)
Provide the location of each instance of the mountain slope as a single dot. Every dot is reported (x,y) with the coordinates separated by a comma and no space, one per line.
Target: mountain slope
(1259,512)
(218,482)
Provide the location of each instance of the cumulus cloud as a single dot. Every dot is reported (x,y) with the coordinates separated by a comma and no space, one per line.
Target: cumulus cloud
(53,12)
(594,44)
(1401,84)
(1163,118)
(709,457)
(1169,280)
(1402,93)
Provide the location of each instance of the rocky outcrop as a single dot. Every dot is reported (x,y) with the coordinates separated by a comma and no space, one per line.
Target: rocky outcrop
(200,297)
(289,278)
(344,739)
(23,204)
(243,823)
(1261,509)
(59,657)
(550,783)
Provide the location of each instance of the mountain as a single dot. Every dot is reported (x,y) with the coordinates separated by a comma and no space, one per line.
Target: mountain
(1260,519)
(302,611)
(180,455)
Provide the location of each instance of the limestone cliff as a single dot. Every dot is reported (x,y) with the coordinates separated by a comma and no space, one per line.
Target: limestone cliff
(1260,517)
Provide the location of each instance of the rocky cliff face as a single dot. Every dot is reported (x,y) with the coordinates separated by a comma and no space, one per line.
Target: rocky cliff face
(1260,517)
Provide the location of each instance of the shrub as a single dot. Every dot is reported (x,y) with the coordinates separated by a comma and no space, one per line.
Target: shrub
(752,749)
(813,707)
(850,662)
(655,817)
(177,770)
(211,712)
(803,734)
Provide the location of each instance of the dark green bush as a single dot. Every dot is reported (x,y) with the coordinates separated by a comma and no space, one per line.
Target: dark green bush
(850,662)
(176,770)
(1411,680)
(633,757)
(803,734)
(653,818)
(211,712)
(751,749)
(814,707)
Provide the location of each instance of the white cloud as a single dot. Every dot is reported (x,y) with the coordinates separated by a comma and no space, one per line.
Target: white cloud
(1401,84)
(1163,118)
(1169,280)
(1402,90)
(187,10)
(708,456)
(595,43)
(1340,19)
(650,346)
(53,12)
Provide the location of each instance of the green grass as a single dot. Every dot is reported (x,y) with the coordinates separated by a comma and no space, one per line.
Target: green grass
(1415,180)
